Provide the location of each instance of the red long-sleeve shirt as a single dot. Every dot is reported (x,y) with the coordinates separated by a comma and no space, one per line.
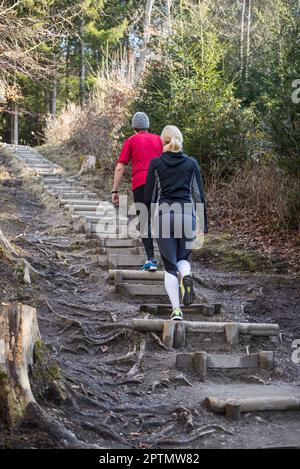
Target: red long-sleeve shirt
(140,149)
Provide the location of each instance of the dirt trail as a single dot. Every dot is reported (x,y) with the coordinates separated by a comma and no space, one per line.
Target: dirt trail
(157,407)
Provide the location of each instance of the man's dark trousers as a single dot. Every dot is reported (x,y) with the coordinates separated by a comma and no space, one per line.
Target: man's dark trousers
(138,196)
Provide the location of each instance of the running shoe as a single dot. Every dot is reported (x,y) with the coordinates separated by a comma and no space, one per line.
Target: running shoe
(177,315)
(187,290)
(150,265)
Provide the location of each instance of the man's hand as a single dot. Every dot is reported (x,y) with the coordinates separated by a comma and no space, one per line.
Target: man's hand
(119,172)
(115,199)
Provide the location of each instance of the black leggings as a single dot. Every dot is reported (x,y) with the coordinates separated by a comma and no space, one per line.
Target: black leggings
(138,196)
(175,235)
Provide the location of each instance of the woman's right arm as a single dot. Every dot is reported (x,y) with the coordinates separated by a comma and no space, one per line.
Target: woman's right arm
(198,193)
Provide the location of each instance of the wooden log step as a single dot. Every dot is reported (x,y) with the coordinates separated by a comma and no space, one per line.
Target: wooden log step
(76,195)
(62,186)
(110,229)
(140,289)
(191,313)
(84,215)
(51,189)
(120,243)
(95,216)
(72,200)
(58,185)
(114,240)
(37,161)
(256,329)
(252,404)
(41,171)
(123,250)
(93,207)
(137,275)
(38,165)
(75,191)
(106,219)
(123,260)
(200,362)
(51,182)
(70,189)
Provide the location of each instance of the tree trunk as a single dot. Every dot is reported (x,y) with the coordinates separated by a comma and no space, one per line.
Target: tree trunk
(82,63)
(53,99)
(15,126)
(248,41)
(19,333)
(146,39)
(22,356)
(67,71)
(242,39)
(168,16)
(47,102)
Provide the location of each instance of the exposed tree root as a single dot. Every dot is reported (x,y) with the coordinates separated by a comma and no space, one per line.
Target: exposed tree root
(81,307)
(90,401)
(158,341)
(109,338)
(123,359)
(104,431)
(38,418)
(7,249)
(67,321)
(136,366)
(22,267)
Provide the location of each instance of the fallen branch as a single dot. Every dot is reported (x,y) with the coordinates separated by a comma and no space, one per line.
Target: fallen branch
(254,404)
(198,433)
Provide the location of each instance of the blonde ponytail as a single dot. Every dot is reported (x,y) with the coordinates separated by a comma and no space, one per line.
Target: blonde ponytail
(172,139)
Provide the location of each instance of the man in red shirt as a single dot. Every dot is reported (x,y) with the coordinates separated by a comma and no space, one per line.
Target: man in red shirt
(140,149)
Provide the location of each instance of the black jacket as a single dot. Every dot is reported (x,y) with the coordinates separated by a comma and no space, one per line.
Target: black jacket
(175,177)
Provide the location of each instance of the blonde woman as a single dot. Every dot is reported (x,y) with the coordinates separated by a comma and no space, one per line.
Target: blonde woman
(174,184)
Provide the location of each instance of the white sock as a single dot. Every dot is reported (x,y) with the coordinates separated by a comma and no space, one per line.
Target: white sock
(172,287)
(184,267)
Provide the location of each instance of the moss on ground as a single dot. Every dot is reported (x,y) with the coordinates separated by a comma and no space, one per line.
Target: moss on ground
(46,377)
(223,252)
(61,155)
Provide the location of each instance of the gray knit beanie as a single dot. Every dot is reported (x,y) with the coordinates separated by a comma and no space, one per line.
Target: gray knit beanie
(140,120)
